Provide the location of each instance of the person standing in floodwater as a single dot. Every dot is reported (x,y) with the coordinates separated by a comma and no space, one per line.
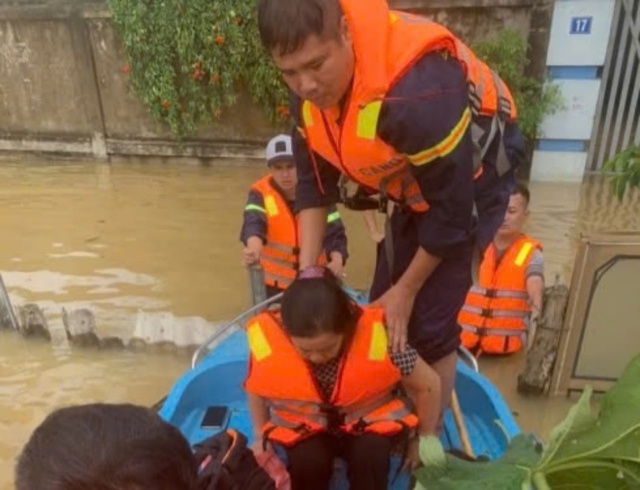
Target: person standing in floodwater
(406,110)
(270,227)
(499,313)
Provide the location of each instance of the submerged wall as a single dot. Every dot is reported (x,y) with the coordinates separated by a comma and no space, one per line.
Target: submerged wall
(62,91)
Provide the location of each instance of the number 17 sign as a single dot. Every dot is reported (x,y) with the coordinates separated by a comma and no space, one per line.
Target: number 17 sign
(581,25)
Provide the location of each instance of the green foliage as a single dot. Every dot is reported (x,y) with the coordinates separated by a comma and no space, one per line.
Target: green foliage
(507,55)
(584,451)
(626,167)
(190,59)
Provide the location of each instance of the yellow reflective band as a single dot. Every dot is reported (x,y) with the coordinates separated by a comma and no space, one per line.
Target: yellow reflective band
(258,344)
(333,217)
(368,120)
(302,132)
(272,207)
(254,207)
(523,254)
(447,145)
(379,346)
(306,114)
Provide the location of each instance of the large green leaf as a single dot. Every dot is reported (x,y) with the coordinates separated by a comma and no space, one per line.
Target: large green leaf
(597,475)
(615,434)
(513,470)
(578,420)
(584,451)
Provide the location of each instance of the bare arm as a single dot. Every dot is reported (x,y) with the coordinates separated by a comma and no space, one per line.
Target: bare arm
(424,386)
(372,225)
(259,414)
(535,290)
(419,270)
(313,224)
(398,300)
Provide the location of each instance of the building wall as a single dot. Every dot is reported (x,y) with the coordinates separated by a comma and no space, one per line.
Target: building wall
(578,45)
(62,91)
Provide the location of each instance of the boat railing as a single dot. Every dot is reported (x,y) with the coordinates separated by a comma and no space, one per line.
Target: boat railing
(466,356)
(221,332)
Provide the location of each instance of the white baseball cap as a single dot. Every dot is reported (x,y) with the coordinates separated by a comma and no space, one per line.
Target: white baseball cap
(278,149)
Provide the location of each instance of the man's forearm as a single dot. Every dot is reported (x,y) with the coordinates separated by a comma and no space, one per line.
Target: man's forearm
(313,224)
(419,270)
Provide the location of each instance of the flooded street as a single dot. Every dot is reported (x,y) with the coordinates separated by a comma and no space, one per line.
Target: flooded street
(125,239)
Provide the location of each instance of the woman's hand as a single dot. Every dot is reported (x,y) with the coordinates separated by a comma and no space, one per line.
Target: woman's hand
(258,447)
(412,459)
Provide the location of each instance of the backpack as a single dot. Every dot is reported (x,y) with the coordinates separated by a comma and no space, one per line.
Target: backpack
(226,463)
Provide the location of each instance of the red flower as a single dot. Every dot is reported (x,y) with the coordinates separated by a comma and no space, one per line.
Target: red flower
(218,113)
(219,40)
(283,111)
(126,69)
(166,104)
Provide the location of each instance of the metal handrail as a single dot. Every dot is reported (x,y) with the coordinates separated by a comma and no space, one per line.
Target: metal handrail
(463,352)
(468,358)
(227,326)
(4,297)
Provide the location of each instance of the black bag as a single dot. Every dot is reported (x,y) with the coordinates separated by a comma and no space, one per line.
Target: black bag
(226,463)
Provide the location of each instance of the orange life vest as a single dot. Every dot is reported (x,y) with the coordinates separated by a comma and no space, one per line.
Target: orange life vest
(495,311)
(364,398)
(280,254)
(387,43)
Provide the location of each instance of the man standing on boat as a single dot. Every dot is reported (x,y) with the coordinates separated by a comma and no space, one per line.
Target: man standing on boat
(270,227)
(403,108)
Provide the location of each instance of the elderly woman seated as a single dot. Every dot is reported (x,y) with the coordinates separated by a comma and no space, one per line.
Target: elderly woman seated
(322,383)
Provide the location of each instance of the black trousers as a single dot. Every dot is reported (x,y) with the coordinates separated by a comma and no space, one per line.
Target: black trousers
(367,457)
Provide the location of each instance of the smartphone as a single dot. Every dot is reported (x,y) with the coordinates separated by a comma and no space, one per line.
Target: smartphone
(216,417)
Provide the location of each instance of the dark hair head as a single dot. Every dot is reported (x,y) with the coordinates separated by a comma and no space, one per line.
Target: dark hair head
(315,304)
(106,447)
(522,190)
(286,24)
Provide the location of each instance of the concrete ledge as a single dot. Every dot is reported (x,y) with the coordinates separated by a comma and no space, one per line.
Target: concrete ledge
(554,166)
(188,149)
(451,4)
(64,146)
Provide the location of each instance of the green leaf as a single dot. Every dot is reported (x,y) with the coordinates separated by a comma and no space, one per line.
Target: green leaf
(597,475)
(578,419)
(513,470)
(615,433)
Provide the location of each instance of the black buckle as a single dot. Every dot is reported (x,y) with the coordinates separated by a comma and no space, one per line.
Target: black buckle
(491,293)
(382,204)
(335,419)
(360,425)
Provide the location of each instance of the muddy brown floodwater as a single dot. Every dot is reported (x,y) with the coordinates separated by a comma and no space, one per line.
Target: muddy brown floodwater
(123,239)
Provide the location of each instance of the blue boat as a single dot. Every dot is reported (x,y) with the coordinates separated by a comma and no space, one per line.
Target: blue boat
(219,368)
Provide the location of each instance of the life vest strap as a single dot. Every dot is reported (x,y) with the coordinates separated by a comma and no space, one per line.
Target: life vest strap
(326,416)
(280,262)
(282,247)
(486,331)
(491,313)
(499,293)
(281,281)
